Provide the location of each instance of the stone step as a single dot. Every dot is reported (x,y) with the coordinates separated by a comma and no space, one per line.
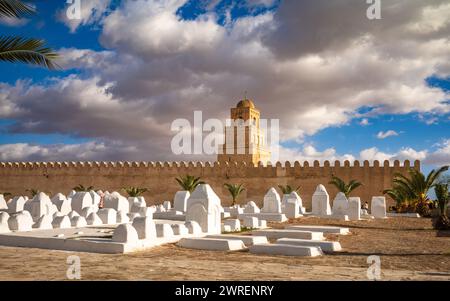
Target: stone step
(283,233)
(212,244)
(323,229)
(326,246)
(286,250)
(248,240)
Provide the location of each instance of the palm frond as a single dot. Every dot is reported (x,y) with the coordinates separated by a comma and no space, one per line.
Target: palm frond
(27,50)
(15,9)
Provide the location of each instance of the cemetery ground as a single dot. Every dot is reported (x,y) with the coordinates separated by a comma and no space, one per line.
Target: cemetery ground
(408,247)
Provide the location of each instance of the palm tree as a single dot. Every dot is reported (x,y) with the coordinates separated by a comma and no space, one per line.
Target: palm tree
(288,189)
(400,198)
(33,192)
(135,191)
(235,190)
(189,183)
(343,187)
(81,188)
(20,49)
(415,188)
(442,222)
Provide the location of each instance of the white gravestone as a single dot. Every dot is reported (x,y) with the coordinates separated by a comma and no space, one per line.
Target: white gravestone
(167,205)
(20,222)
(204,207)
(16,205)
(4,227)
(340,204)
(251,208)
(294,195)
(62,203)
(272,202)
(80,201)
(378,207)
(125,233)
(3,205)
(251,222)
(354,209)
(292,209)
(145,227)
(72,214)
(44,222)
(122,218)
(116,202)
(108,216)
(78,222)
(164,230)
(180,201)
(234,224)
(62,222)
(94,220)
(180,229)
(321,202)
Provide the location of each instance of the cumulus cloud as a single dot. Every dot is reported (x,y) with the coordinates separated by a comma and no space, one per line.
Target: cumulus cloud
(387,134)
(321,60)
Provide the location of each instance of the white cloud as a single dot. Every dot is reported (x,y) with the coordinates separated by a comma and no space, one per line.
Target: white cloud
(384,135)
(92,12)
(364,122)
(14,22)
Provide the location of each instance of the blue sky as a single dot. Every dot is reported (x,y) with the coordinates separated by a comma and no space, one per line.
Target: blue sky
(420,122)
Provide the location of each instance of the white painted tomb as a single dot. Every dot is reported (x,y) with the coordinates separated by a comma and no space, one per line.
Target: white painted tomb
(125,233)
(145,227)
(292,209)
(246,239)
(294,195)
(226,229)
(132,216)
(272,202)
(145,211)
(204,207)
(71,194)
(378,207)
(321,202)
(80,201)
(321,229)
(194,228)
(326,246)
(122,218)
(135,204)
(262,224)
(251,222)
(44,222)
(94,220)
(234,224)
(280,233)
(116,202)
(3,205)
(96,198)
(251,207)
(62,203)
(72,214)
(180,201)
(212,244)
(233,211)
(354,209)
(108,216)
(62,222)
(4,227)
(16,204)
(21,221)
(340,205)
(87,211)
(41,205)
(285,250)
(78,222)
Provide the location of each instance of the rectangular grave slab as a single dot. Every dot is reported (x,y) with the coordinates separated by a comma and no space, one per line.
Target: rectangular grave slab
(275,234)
(326,246)
(270,217)
(212,244)
(323,229)
(248,240)
(286,250)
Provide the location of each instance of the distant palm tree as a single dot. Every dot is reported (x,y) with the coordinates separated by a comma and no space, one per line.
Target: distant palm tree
(81,188)
(6,194)
(415,188)
(33,192)
(135,191)
(189,183)
(288,189)
(20,49)
(344,187)
(235,190)
(442,222)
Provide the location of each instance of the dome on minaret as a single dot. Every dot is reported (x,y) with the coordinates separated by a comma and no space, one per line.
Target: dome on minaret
(246,103)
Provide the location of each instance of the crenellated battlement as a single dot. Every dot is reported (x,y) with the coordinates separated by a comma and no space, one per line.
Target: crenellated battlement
(182,164)
(159,177)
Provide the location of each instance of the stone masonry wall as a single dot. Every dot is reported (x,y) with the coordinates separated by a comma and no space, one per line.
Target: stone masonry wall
(52,178)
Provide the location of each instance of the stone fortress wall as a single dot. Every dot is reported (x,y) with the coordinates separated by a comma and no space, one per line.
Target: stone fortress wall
(159,177)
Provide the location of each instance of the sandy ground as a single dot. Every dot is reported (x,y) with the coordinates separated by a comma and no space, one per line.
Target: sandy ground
(409,250)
